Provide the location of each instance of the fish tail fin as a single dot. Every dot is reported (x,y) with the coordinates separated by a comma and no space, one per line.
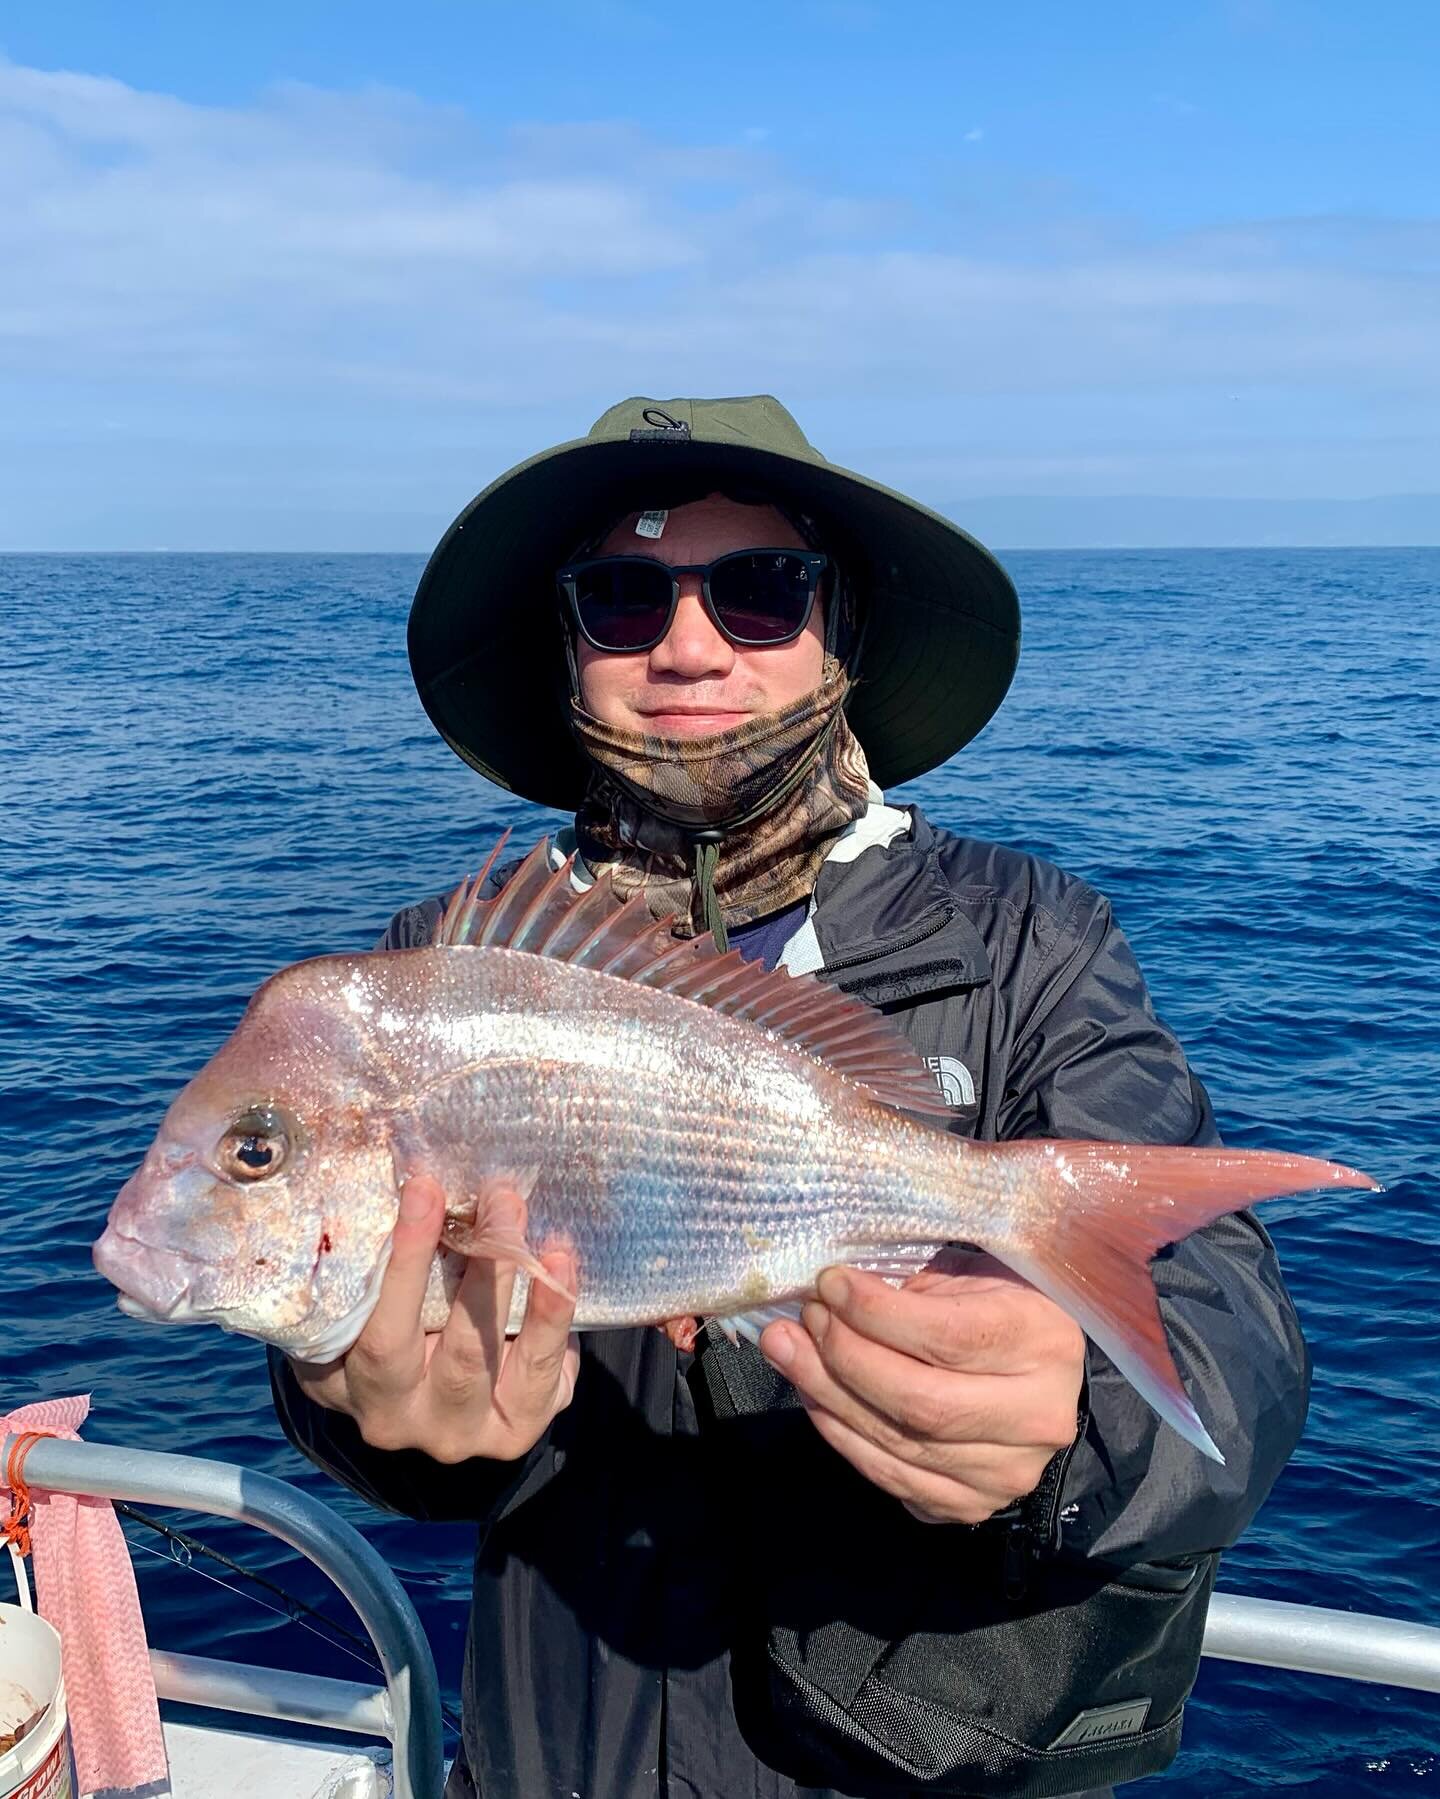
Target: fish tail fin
(1110,1208)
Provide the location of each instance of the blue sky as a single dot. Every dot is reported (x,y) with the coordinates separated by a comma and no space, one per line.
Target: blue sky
(310,276)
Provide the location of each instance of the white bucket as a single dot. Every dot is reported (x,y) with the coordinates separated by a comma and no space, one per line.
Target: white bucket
(38,1766)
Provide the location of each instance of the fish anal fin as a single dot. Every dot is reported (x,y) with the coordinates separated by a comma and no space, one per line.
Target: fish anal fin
(750,1324)
(894,1261)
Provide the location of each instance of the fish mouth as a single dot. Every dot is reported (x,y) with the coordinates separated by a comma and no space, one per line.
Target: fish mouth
(153,1283)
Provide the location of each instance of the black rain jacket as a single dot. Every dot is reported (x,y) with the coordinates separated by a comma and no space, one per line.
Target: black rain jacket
(683,1590)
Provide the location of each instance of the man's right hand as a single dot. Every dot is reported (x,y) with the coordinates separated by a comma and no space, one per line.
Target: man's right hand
(465,1390)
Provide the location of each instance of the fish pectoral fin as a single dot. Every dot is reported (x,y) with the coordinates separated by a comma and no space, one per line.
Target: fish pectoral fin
(493,1230)
(750,1324)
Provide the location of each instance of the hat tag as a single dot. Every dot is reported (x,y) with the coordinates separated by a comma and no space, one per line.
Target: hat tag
(651,524)
(659,427)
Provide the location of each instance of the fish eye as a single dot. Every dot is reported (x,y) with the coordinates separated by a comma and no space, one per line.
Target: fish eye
(255,1146)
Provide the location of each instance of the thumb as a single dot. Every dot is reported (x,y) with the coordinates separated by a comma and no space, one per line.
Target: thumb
(569,1374)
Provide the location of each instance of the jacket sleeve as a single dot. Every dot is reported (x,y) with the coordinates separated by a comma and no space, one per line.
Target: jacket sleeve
(405,1481)
(1091,1060)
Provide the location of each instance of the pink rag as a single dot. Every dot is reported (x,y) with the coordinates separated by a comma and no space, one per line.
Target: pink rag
(85,1586)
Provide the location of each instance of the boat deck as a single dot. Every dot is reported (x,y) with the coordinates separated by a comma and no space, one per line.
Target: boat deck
(206,1763)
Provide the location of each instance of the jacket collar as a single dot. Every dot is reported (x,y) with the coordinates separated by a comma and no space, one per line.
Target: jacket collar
(885,922)
(888,924)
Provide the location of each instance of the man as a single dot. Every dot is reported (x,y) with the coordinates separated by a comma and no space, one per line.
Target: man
(922,1541)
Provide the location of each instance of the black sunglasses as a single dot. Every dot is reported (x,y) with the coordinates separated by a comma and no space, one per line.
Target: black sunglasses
(754,598)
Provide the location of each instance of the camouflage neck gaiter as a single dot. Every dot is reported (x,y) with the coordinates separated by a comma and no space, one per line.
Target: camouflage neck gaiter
(724,829)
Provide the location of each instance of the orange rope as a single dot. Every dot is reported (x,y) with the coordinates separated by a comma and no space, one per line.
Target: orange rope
(16,1528)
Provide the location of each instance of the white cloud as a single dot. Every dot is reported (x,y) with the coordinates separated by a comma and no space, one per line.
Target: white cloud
(339,257)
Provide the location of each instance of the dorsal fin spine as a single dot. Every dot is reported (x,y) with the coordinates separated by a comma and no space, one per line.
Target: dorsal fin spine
(774,1016)
(512,903)
(733,978)
(533,910)
(466,915)
(686,951)
(459,914)
(710,983)
(627,962)
(538,912)
(575,928)
(579,951)
(846,1038)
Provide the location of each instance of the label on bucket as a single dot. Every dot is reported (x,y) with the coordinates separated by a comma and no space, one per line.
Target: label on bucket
(51,1780)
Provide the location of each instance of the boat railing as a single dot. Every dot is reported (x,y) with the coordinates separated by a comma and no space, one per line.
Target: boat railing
(406,1710)
(1309,1639)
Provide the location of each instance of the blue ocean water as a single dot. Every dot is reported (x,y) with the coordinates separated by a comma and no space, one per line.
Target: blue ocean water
(213,765)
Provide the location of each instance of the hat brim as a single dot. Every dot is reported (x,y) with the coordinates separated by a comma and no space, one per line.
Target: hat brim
(942,621)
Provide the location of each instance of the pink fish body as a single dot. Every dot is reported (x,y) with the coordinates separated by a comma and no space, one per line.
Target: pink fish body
(705,1136)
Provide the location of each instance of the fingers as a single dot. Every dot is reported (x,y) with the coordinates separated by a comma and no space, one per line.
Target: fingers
(970,1325)
(472,1344)
(389,1355)
(537,1378)
(324,1382)
(946,1454)
(948,1442)
(897,1403)
(918,1404)
(463,1391)
(934,1497)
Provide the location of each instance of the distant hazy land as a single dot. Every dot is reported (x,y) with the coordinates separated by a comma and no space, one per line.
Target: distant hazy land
(1004,521)
(1156,522)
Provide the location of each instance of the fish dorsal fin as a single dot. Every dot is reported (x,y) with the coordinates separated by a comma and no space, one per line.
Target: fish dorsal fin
(539,911)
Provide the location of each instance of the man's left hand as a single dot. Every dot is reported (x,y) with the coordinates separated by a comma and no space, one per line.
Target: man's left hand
(952,1392)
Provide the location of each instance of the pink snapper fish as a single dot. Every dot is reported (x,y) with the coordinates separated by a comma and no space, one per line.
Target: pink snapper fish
(705,1136)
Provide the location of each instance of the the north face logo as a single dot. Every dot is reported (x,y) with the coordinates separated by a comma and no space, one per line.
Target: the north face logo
(954,1079)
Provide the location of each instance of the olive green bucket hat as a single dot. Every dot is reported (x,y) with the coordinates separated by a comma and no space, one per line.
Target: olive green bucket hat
(941,620)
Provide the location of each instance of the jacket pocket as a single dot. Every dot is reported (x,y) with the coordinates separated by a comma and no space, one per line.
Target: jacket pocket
(1082,1684)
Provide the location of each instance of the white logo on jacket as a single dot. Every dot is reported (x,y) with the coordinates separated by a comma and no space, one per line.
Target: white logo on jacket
(953,1078)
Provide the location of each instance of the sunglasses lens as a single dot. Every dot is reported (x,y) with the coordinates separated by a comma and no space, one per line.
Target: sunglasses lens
(623,605)
(763,598)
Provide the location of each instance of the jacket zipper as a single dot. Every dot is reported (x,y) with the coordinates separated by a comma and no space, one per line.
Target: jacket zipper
(1035,1531)
(889,949)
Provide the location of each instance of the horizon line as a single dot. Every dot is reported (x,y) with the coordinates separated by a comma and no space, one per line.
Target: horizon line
(1047,549)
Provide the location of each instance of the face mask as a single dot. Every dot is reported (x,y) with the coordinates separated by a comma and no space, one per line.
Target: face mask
(724,829)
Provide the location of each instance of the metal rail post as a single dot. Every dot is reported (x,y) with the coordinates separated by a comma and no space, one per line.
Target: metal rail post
(380,1602)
